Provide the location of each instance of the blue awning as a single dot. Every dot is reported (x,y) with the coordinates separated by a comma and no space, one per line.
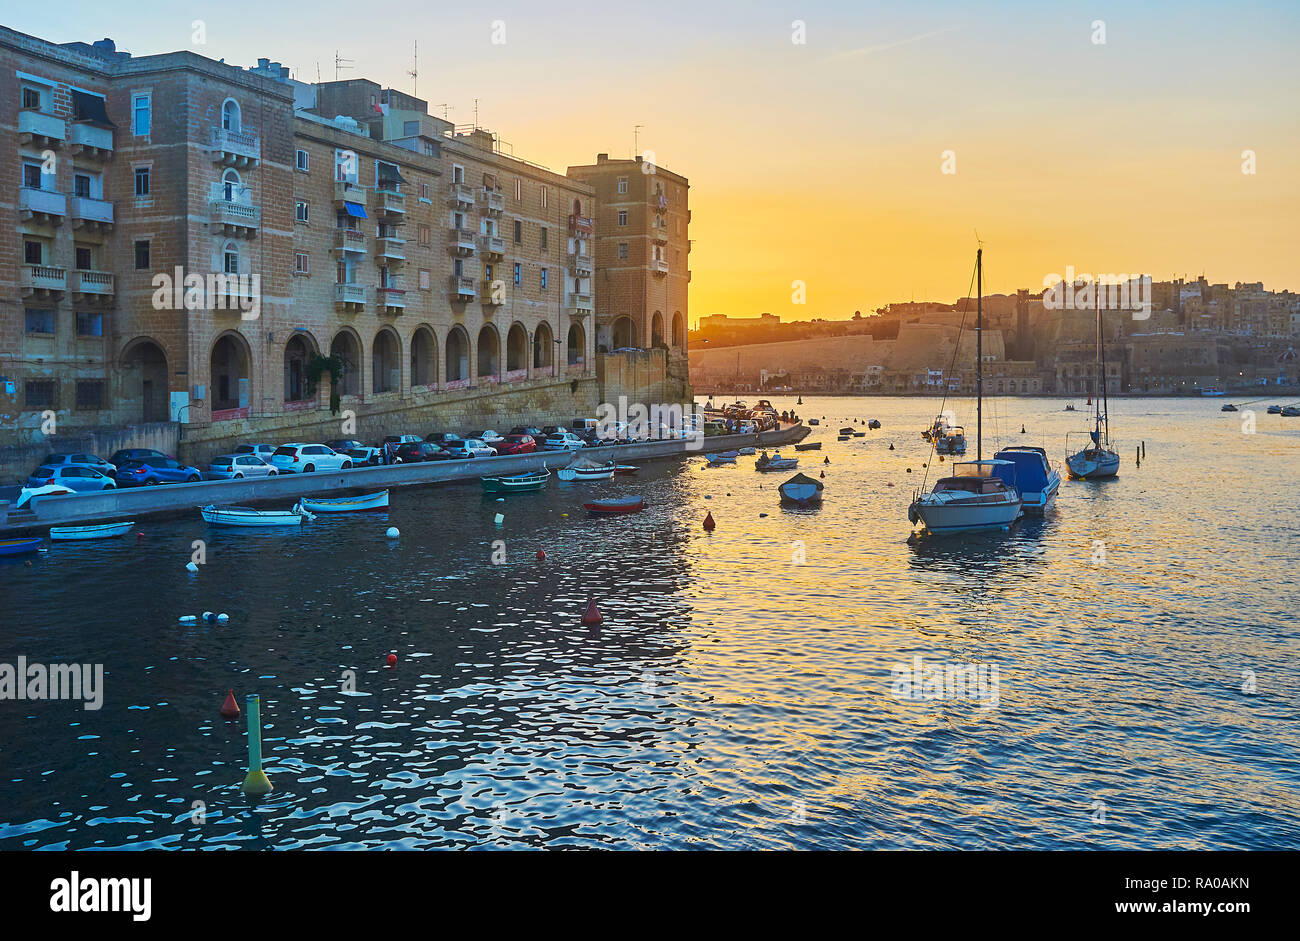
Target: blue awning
(356,210)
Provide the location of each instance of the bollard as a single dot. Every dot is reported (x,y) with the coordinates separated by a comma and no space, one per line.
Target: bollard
(1144,449)
(1137,457)
(256,782)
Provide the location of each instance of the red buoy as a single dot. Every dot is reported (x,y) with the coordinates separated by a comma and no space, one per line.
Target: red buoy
(392,659)
(540,555)
(823,475)
(229,708)
(708,521)
(592,613)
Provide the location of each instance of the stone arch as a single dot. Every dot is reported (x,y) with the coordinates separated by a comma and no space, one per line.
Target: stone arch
(656,329)
(516,347)
(488,360)
(297,351)
(457,354)
(679,331)
(424,357)
(624,333)
(543,347)
(144,380)
(346,345)
(386,361)
(230,372)
(577,344)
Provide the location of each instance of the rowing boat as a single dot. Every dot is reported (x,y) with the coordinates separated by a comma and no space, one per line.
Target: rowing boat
(626,470)
(584,469)
(247,516)
(100,531)
(516,483)
(614,506)
(801,490)
(810,446)
(367,501)
(19,546)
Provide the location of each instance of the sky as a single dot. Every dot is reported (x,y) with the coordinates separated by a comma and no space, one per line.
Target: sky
(820,163)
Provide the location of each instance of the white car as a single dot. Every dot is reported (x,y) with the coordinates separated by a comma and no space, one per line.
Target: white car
(492,437)
(564,441)
(237,466)
(470,447)
(307,458)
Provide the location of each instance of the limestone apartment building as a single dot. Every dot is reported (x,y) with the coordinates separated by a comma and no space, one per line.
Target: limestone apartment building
(456,283)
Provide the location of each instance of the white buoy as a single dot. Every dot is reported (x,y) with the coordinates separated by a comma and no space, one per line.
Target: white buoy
(500,519)
(208,615)
(392,532)
(191,567)
(188,619)
(223,618)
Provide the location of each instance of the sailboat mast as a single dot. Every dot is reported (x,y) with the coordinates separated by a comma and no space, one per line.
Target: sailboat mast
(1098,380)
(979,354)
(1105,399)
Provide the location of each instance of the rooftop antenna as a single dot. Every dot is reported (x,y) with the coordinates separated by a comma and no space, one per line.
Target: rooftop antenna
(476,114)
(340,63)
(636,140)
(415,69)
(445,108)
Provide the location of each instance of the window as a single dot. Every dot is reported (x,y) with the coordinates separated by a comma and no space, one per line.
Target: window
(544,197)
(622,217)
(40,320)
(90,394)
(543,238)
(90,324)
(142,181)
(410,128)
(458,268)
(141,112)
(519,190)
(458,174)
(519,273)
(543,279)
(622,184)
(519,232)
(423,235)
(31,98)
(39,393)
(230,258)
(31,174)
(33,252)
(300,210)
(81,185)
(301,263)
(142,255)
(424,191)
(424,279)
(345,166)
(622,250)
(83,258)
(303,161)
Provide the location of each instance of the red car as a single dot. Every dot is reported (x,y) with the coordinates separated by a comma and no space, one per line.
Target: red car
(516,444)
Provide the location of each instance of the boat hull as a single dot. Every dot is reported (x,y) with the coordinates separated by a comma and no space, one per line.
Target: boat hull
(1085,467)
(75,533)
(616,507)
(250,518)
(370,501)
(585,473)
(519,484)
(10,547)
(967,516)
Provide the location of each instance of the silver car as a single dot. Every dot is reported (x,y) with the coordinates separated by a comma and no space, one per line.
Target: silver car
(237,466)
(73,476)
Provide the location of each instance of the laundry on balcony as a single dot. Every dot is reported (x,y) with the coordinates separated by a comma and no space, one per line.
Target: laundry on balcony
(88,107)
(356,210)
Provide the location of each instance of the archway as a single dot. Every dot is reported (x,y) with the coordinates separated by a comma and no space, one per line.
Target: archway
(457,355)
(296,353)
(229,370)
(386,369)
(543,347)
(679,331)
(517,351)
(657,330)
(144,380)
(577,344)
(624,333)
(489,353)
(424,358)
(347,348)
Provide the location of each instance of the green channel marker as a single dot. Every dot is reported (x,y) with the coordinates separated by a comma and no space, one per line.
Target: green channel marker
(256,782)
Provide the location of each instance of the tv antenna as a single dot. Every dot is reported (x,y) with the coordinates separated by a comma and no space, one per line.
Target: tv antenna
(340,63)
(445,108)
(414,71)
(636,140)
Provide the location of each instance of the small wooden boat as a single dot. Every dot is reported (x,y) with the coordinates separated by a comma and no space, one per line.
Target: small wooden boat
(810,446)
(101,531)
(746,452)
(859,434)
(27,494)
(776,463)
(717,460)
(801,490)
(626,470)
(846,430)
(615,506)
(367,501)
(19,546)
(516,483)
(586,470)
(247,516)
(814,421)
(874,423)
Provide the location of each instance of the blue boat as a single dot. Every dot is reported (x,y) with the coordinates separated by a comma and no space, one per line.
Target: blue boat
(1030,472)
(20,546)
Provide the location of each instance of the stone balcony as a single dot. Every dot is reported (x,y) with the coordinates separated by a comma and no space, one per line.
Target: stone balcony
(93,215)
(350,298)
(43,281)
(42,205)
(658,266)
(491,296)
(350,240)
(463,242)
(580,264)
(391,298)
(40,129)
(390,250)
(235,148)
(345,192)
(659,234)
(494,203)
(461,289)
(462,195)
(492,246)
(581,304)
(390,205)
(234,218)
(93,285)
(90,140)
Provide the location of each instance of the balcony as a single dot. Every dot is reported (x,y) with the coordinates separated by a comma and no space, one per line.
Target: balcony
(659,266)
(91,140)
(93,215)
(390,250)
(492,246)
(41,205)
(581,304)
(461,288)
(462,195)
(93,285)
(391,298)
(391,205)
(491,296)
(463,241)
(350,240)
(659,234)
(580,264)
(232,218)
(345,192)
(235,148)
(494,203)
(350,297)
(43,281)
(41,129)
(581,225)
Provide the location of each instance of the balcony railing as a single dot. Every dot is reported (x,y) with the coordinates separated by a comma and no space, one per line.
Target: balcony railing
(390,248)
(46,129)
(390,203)
(350,296)
(461,288)
(90,213)
(462,194)
(659,266)
(90,140)
(350,240)
(93,284)
(580,263)
(494,203)
(516,375)
(44,279)
(463,241)
(581,303)
(235,218)
(42,204)
(236,148)
(492,245)
(346,192)
(391,297)
(490,295)
(659,233)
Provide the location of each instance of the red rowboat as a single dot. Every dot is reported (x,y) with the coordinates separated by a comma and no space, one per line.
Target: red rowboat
(614,507)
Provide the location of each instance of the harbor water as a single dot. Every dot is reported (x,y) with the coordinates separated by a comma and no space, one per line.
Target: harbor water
(1137,651)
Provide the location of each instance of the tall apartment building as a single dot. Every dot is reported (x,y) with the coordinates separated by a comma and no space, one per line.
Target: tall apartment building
(186,236)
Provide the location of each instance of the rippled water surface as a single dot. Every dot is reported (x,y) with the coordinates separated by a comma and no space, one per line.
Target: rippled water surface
(731,698)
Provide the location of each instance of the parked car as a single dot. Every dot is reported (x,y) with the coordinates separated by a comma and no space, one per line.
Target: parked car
(563,441)
(444,439)
(155,470)
(491,437)
(264,451)
(308,458)
(530,430)
(237,466)
(119,458)
(414,452)
(360,453)
(73,476)
(516,444)
(391,443)
(470,447)
(79,460)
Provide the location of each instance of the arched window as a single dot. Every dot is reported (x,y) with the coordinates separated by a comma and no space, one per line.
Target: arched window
(230,185)
(230,257)
(230,115)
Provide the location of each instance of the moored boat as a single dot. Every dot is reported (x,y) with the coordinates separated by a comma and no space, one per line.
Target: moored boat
(19,546)
(99,531)
(615,506)
(1290,411)
(874,423)
(583,469)
(719,459)
(226,515)
(801,490)
(516,483)
(1095,459)
(626,470)
(1229,407)
(1032,474)
(810,446)
(1275,410)
(952,441)
(367,501)
(775,462)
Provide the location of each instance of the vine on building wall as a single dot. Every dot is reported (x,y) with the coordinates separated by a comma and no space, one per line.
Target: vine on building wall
(333,364)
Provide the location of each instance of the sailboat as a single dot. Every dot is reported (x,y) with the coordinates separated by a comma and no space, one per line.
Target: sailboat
(978,496)
(1096,459)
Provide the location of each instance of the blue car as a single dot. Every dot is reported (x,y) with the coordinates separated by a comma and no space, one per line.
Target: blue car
(155,470)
